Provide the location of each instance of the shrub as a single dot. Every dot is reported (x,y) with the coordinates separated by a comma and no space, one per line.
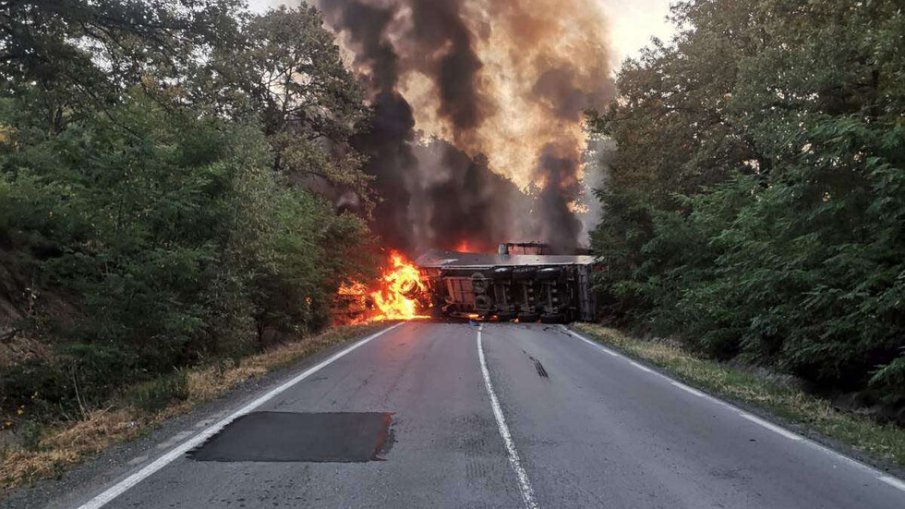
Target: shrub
(154,395)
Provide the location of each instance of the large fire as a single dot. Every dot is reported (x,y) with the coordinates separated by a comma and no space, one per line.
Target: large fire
(395,297)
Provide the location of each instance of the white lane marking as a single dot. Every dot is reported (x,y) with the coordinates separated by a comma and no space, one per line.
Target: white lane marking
(770,426)
(592,343)
(689,390)
(121,487)
(892,481)
(639,366)
(523,483)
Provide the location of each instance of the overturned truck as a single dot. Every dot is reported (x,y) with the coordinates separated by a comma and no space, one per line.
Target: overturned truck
(521,282)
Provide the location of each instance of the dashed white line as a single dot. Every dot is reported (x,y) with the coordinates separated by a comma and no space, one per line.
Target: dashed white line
(121,487)
(892,481)
(523,483)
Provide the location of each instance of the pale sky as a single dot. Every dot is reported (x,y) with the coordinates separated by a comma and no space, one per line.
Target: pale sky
(632,23)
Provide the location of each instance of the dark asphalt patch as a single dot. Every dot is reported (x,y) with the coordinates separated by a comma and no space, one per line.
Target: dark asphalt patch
(343,437)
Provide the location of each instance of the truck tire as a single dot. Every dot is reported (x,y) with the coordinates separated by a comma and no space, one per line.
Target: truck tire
(483,302)
(523,273)
(479,283)
(501,273)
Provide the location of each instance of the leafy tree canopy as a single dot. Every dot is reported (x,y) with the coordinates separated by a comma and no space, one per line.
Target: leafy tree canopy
(167,169)
(755,204)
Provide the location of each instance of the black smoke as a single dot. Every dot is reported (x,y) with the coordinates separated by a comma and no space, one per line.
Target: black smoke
(432,194)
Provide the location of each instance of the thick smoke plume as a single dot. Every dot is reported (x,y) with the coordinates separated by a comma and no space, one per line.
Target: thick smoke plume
(477,135)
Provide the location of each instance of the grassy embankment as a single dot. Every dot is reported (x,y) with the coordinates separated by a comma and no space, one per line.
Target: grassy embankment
(49,451)
(790,404)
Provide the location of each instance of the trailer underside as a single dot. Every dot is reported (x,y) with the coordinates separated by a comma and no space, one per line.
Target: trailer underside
(504,287)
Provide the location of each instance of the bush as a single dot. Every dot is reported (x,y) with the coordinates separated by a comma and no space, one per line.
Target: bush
(31,435)
(154,395)
(40,388)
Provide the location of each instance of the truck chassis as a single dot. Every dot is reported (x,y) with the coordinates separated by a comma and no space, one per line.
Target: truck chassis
(507,287)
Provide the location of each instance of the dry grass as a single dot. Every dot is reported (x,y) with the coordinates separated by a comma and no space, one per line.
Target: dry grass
(885,442)
(213,381)
(66,444)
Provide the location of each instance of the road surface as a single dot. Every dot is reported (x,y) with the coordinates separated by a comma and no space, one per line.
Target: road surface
(505,415)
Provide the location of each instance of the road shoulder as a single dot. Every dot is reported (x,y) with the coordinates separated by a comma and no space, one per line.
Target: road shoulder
(879,445)
(159,434)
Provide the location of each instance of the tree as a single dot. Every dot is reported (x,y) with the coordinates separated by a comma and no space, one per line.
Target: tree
(71,55)
(154,162)
(755,204)
(285,69)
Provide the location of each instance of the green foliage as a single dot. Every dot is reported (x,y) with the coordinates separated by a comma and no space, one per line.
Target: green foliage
(756,203)
(154,395)
(31,435)
(173,218)
(282,68)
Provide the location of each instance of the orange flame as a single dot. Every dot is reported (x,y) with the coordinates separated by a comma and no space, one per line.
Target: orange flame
(463,247)
(396,296)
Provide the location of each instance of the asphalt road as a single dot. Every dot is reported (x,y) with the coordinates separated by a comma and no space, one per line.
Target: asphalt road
(525,415)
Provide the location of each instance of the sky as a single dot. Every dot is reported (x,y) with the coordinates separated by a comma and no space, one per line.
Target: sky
(632,23)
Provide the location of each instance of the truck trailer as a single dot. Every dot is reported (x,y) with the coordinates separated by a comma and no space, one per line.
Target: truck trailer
(520,282)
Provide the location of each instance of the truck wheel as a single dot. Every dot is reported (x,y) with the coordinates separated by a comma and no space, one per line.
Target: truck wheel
(483,302)
(527,318)
(501,273)
(523,273)
(479,283)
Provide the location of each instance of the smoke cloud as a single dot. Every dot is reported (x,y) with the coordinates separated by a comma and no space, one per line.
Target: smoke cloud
(477,135)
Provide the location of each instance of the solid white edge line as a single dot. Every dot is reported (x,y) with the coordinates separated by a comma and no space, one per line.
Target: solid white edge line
(689,389)
(592,343)
(121,487)
(888,479)
(770,426)
(892,481)
(523,483)
(641,367)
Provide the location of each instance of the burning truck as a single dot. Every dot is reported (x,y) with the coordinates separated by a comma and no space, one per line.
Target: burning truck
(522,281)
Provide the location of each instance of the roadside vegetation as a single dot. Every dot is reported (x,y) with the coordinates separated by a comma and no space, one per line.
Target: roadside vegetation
(776,395)
(48,450)
(168,175)
(755,203)
(179,194)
